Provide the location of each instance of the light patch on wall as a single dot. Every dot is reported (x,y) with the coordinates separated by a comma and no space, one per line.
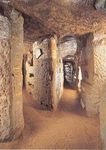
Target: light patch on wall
(39,53)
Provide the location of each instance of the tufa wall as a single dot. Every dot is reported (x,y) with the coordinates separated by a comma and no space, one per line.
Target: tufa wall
(29,72)
(11,105)
(57,73)
(42,74)
(17,48)
(94,79)
(47,71)
(100,72)
(29,78)
(5,80)
(96,74)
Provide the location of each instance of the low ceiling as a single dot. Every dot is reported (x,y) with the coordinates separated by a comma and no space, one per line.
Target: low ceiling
(62,17)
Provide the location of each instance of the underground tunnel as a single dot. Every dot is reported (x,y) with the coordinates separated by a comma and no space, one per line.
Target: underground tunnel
(52,74)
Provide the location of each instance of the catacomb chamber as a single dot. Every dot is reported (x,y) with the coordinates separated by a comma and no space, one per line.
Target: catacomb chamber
(44,77)
(90,52)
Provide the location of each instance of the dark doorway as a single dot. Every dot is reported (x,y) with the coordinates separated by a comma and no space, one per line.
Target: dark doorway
(70,72)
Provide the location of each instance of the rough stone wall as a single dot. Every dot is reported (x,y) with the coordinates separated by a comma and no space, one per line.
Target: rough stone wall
(29,78)
(93,91)
(57,71)
(48,74)
(16,68)
(42,74)
(59,80)
(67,47)
(28,71)
(101,46)
(87,59)
(5,79)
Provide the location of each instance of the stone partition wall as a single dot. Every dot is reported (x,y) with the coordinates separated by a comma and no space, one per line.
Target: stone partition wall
(87,58)
(94,87)
(29,78)
(5,80)
(11,104)
(57,73)
(27,68)
(93,94)
(29,72)
(42,74)
(47,69)
(17,48)
(100,47)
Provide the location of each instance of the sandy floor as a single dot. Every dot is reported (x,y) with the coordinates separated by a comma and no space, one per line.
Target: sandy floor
(67,128)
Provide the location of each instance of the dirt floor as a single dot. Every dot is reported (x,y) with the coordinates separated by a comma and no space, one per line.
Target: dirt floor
(66,128)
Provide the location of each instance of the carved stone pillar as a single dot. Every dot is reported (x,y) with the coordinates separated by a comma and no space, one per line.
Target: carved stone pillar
(17,48)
